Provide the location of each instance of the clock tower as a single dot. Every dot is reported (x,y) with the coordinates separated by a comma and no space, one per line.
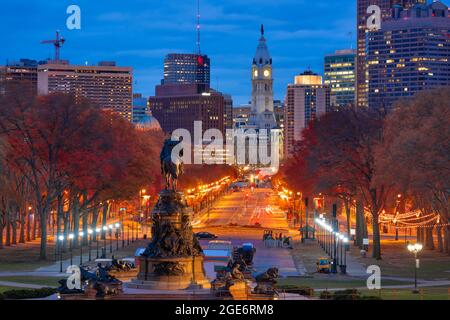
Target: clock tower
(262,116)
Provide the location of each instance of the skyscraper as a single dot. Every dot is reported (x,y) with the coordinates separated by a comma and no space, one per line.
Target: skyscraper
(340,75)
(408,54)
(362,16)
(187,68)
(306,99)
(108,86)
(179,109)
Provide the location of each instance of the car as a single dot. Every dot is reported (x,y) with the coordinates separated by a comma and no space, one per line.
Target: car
(205,235)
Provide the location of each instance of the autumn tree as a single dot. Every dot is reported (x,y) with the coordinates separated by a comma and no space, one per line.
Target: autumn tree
(415,154)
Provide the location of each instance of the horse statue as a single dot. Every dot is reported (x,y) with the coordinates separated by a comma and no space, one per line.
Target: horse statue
(171,167)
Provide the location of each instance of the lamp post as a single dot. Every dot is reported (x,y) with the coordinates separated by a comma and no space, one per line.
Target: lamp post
(415,249)
(97,231)
(122,233)
(90,232)
(81,235)
(61,239)
(71,236)
(110,227)
(117,225)
(105,228)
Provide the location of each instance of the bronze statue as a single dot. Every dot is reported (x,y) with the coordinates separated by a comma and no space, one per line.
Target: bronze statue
(171,164)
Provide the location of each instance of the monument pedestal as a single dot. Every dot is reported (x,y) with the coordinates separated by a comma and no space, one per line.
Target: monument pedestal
(173,259)
(170,274)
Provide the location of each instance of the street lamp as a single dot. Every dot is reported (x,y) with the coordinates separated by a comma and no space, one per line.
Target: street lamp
(415,249)
(117,225)
(97,231)
(90,232)
(105,228)
(81,234)
(71,236)
(61,239)
(110,227)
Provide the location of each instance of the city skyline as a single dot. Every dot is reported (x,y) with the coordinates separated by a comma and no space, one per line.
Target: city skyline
(138,36)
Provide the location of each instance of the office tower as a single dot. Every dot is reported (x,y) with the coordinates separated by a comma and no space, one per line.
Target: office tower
(140,107)
(362,16)
(178,106)
(22,72)
(262,116)
(306,99)
(108,86)
(410,53)
(339,71)
(278,109)
(187,68)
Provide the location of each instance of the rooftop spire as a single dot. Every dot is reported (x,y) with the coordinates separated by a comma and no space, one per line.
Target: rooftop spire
(262,30)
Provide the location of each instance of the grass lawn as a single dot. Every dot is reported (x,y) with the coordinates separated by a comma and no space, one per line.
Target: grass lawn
(432,293)
(24,257)
(3,289)
(327,283)
(397,261)
(43,281)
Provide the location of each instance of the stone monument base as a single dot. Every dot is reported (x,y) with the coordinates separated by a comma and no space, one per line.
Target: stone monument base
(188,274)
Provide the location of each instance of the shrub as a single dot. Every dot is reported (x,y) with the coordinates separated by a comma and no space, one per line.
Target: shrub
(28,293)
(348,294)
(301,290)
(326,295)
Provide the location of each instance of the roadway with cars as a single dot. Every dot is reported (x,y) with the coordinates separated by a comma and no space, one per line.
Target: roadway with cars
(242,217)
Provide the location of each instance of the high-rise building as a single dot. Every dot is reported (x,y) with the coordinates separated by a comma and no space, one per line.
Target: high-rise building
(339,71)
(187,68)
(178,109)
(306,99)
(22,72)
(140,107)
(262,113)
(362,17)
(410,53)
(108,86)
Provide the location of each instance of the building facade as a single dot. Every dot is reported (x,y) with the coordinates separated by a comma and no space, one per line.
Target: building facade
(306,99)
(22,72)
(140,107)
(187,68)
(410,53)
(108,86)
(362,30)
(340,76)
(179,110)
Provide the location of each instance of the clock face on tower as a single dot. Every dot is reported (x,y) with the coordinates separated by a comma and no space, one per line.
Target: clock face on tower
(255,73)
(266,73)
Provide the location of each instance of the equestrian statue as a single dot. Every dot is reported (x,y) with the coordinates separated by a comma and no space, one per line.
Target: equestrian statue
(171,164)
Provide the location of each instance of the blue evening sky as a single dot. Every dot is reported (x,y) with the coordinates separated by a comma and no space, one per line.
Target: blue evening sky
(139,33)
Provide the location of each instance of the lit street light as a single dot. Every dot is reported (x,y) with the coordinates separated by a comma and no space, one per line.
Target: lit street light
(415,249)
(61,239)
(71,236)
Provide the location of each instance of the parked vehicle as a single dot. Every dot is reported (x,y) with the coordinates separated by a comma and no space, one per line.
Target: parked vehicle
(218,251)
(323,265)
(205,235)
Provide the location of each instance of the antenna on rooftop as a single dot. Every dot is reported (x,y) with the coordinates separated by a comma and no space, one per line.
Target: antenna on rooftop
(198,28)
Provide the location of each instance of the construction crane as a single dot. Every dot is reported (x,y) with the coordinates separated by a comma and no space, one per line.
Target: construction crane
(58,42)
